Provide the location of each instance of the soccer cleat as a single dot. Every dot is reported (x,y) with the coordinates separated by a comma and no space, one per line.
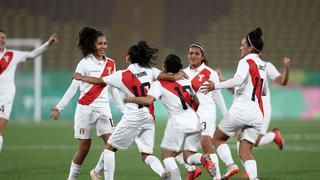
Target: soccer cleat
(244,175)
(231,170)
(278,138)
(94,175)
(193,174)
(208,165)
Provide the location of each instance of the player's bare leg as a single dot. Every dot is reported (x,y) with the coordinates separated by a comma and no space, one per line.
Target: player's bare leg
(3,123)
(247,158)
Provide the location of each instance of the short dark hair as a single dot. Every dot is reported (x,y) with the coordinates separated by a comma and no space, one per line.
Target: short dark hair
(254,39)
(173,63)
(1,30)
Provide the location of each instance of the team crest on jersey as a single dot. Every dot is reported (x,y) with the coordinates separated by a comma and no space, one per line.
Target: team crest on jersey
(6,58)
(201,76)
(81,130)
(109,70)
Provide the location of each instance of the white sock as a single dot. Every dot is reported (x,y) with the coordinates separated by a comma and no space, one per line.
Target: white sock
(109,164)
(266,139)
(251,168)
(1,142)
(194,159)
(225,154)
(180,160)
(99,166)
(74,171)
(155,165)
(172,167)
(215,160)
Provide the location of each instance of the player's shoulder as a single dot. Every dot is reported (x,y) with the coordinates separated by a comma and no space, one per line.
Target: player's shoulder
(110,59)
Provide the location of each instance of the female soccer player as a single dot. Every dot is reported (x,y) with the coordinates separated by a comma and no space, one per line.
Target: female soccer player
(9,59)
(247,110)
(183,126)
(137,123)
(93,108)
(199,74)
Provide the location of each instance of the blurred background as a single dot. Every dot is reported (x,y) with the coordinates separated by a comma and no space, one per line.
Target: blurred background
(291,28)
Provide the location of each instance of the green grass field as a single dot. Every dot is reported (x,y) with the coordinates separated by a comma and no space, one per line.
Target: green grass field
(44,151)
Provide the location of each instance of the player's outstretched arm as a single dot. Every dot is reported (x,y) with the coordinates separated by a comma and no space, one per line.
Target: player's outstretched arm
(38,51)
(284,77)
(172,77)
(146,101)
(90,80)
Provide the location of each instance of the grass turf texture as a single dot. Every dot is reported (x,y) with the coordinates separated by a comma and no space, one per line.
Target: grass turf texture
(44,151)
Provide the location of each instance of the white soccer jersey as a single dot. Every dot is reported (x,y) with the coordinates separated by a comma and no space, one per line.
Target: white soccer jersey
(134,81)
(177,98)
(9,60)
(253,70)
(94,96)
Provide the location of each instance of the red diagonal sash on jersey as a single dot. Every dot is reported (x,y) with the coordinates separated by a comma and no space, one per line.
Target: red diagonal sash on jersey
(256,82)
(171,86)
(199,79)
(136,88)
(96,90)
(5,61)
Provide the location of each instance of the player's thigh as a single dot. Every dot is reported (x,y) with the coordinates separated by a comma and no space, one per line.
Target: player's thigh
(192,142)
(173,139)
(145,140)
(250,134)
(5,110)
(229,125)
(123,135)
(83,122)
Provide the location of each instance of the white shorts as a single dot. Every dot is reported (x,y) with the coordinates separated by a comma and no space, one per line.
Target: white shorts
(174,139)
(207,120)
(86,118)
(143,134)
(229,125)
(5,110)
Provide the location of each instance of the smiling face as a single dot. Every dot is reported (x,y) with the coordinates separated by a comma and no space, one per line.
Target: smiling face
(100,46)
(3,41)
(245,48)
(195,57)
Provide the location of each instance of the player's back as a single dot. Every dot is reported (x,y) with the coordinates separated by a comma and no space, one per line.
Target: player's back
(178,99)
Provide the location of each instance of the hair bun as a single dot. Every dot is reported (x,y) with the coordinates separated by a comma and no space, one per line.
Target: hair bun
(256,33)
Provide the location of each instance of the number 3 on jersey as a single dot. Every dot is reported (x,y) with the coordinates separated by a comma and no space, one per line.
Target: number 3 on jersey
(141,91)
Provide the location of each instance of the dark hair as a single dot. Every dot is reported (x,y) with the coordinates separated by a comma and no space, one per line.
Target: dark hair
(254,39)
(142,54)
(87,38)
(172,63)
(202,49)
(1,30)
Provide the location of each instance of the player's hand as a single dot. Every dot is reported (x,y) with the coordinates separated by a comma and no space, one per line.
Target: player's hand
(53,39)
(55,113)
(77,76)
(207,87)
(180,75)
(231,90)
(127,99)
(286,62)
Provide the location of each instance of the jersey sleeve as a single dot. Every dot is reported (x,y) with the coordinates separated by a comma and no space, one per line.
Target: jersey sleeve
(242,69)
(156,73)
(155,90)
(272,72)
(81,68)
(114,79)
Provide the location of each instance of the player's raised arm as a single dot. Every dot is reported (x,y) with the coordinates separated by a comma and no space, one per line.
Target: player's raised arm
(172,76)
(147,100)
(38,51)
(284,77)
(90,80)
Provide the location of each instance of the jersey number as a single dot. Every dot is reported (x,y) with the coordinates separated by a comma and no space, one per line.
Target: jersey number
(2,108)
(140,93)
(183,102)
(256,82)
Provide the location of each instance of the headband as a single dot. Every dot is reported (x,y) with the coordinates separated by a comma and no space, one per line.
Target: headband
(252,44)
(197,45)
